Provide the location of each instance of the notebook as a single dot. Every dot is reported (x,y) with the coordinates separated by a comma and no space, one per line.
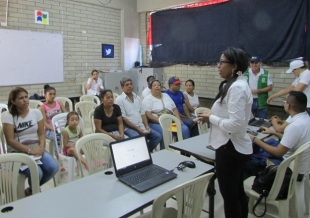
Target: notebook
(133,165)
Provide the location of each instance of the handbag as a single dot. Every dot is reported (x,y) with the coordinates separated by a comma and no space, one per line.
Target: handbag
(164,110)
(263,183)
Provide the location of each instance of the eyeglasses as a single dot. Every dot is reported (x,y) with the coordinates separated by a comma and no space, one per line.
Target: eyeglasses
(284,100)
(221,62)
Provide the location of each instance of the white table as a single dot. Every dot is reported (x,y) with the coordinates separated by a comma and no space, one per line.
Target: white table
(101,195)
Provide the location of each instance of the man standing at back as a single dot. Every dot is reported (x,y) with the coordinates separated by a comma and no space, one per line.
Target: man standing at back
(260,83)
(178,97)
(134,116)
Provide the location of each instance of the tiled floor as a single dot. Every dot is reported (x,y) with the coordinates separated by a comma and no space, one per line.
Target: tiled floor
(219,211)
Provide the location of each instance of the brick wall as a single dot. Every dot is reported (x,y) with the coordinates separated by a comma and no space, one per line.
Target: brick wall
(206,78)
(84,26)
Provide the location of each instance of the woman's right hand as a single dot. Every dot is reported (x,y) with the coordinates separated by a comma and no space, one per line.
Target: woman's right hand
(117,137)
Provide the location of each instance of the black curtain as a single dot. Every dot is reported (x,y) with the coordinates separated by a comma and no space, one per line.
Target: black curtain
(272,29)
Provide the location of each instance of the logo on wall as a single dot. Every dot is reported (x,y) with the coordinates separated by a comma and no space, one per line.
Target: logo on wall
(107,51)
(41,17)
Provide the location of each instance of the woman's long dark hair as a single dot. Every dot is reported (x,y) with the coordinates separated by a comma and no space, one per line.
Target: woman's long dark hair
(234,56)
(12,97)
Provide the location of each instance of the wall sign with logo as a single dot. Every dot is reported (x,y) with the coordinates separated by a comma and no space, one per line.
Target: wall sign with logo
(107,51)
(41,17)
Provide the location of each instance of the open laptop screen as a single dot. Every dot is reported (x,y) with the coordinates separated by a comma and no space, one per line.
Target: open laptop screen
(130,154)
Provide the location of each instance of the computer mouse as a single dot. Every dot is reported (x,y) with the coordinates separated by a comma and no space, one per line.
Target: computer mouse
(189,164)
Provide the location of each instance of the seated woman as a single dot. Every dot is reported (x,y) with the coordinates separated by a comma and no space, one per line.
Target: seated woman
(49,109)
(94,84)
(157,102)
(191,99)
(24,132)
(108,117)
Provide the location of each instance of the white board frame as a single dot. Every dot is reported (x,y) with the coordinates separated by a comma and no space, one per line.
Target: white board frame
(28,57)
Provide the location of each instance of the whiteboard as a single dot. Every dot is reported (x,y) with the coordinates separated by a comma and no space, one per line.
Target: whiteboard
(30,57)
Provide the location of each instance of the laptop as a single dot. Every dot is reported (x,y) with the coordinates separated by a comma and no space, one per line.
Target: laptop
(259,122)
(133,165)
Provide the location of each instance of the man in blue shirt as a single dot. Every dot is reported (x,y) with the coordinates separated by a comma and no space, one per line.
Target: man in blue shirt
(177,96)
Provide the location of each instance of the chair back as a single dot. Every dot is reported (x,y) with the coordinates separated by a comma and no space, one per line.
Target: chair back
(190,198)
(35,104)
(3,107)
(3,147)
(84,88)
(115,95)
(83,108)
(165,122)
(92,98)
(202,127)
(65,101)
(91,117)
(295,161)
(9,176)
(96,148)
(59,121)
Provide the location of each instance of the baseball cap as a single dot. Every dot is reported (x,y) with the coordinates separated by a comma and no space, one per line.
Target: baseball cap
(255,59)
(174,80)
(294,65)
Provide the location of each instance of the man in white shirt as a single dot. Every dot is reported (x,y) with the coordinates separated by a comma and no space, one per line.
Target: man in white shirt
(134,116)
(296,133)
(301,83)
(94,84)
(260,83)
(147,89)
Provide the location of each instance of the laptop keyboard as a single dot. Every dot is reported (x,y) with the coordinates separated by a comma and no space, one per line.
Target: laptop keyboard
(145,175)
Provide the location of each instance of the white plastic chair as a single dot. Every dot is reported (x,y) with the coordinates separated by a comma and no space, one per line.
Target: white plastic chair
(302,192)
(12,183)
(202,127)
(96,149)
(189,196)
(92,98)
(282,205)
(3,106)
(64,101)
(83,108)
(3,147)
(91,117)
(35,104)
(84,90)
(165,122)
(60,121)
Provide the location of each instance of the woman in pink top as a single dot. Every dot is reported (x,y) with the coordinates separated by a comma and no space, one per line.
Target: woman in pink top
(49,109)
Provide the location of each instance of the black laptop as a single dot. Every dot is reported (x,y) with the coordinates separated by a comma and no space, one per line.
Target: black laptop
(133,165)
(260,122)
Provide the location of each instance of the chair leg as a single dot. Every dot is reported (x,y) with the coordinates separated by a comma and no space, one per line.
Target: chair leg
(284,209)
(307,193)
(71,166)
(251,205)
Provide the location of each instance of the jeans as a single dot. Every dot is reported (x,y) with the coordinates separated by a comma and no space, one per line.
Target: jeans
(260,113)
(157,127)
(47,169)
(50,134)
(154,137)
(193,129)
(229,167)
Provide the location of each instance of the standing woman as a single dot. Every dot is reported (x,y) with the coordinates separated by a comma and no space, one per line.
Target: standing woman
(94,84)
(108,117)
(24,132)
(191,98)
(49,109)
(229,118)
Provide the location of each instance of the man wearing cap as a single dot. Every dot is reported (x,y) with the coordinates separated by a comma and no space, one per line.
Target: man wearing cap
(147,89)
(178,97)
(260,83)
(134,116)
(301,83)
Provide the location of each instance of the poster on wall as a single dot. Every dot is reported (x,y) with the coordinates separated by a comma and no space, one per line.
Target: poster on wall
(41,17)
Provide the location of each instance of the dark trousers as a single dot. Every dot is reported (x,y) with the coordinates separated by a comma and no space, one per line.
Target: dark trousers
(229,168)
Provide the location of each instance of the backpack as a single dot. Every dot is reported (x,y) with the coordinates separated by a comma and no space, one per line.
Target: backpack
(264,181)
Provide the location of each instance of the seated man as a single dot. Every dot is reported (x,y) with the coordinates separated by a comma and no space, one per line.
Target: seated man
(178,98)
(147,89)
(134,116)
(296,133)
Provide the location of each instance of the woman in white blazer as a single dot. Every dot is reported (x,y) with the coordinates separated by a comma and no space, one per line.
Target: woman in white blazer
(229,118)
